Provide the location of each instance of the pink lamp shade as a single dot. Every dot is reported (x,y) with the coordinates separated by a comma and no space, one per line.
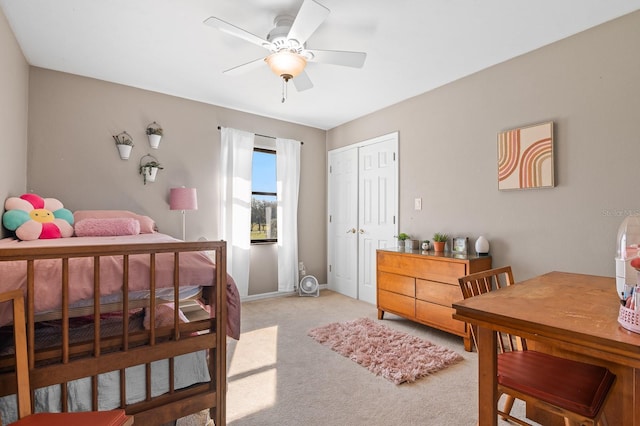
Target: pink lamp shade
(183,199)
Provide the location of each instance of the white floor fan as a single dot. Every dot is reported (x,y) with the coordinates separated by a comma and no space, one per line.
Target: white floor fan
(309,286)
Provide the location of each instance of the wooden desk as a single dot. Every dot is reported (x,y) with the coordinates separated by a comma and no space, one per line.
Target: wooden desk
(570,315)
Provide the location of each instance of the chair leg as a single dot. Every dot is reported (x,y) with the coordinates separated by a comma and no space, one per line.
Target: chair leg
(508,404)
(505,413)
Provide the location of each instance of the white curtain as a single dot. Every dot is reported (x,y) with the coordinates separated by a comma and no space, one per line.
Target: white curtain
(288,183)
(236,157)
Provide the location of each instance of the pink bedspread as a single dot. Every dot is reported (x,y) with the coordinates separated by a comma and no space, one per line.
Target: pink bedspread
(196,269)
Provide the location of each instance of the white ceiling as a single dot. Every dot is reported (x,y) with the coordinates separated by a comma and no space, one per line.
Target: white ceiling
(412,46)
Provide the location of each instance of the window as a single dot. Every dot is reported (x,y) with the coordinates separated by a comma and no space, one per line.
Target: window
(263,196)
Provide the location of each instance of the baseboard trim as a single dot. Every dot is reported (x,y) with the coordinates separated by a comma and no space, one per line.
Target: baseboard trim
(275,294)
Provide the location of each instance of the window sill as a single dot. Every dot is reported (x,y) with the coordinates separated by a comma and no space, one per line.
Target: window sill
(261,243)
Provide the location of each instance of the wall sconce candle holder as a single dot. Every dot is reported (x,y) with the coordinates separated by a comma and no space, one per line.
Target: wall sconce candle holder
(124,143)
(154,133)
(149,166)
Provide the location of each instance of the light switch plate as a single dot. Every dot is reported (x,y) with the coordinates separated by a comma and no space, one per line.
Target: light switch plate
(417,204)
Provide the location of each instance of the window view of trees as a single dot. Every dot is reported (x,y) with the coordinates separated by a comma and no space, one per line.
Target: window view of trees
(263,219)
(263,196)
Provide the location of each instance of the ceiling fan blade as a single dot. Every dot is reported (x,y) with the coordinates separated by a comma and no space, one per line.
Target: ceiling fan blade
(241,69)
(309,18)
(338,57)
(228,28)
(302,82)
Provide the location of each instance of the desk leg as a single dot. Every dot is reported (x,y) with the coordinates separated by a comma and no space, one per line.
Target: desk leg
(487,377)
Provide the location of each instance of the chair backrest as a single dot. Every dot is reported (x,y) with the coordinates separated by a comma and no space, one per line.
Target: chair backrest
(16,297)
(484,282)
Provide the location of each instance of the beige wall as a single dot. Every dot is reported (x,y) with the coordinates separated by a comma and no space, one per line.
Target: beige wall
(14,87)
(589,85)
(264,263)
(72,156)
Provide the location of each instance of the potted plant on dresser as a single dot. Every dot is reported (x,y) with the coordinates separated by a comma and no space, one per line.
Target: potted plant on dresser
(439,241)
(401,239)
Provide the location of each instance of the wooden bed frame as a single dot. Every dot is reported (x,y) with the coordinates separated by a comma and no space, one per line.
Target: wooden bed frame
(71,360)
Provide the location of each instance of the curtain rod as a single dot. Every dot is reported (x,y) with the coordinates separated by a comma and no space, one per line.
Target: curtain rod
(265,136)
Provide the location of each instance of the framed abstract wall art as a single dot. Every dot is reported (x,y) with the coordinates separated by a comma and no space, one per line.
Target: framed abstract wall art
(525,157)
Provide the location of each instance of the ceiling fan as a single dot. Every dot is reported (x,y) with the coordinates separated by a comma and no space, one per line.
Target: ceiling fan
(287,44)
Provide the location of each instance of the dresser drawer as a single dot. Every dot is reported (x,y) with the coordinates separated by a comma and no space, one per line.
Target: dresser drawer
(439,317)
(446,272)
(440,293)
(436,268)
(396,303)
(397,283)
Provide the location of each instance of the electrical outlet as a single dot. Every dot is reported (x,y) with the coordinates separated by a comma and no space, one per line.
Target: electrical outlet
(417,204)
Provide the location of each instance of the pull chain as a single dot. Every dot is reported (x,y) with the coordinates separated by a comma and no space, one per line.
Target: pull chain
(284,89)
(285,80)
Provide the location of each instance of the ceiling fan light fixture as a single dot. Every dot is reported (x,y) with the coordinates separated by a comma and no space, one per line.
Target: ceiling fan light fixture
(286,64)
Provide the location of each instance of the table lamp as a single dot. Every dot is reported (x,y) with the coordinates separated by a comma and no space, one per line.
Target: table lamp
(183,199)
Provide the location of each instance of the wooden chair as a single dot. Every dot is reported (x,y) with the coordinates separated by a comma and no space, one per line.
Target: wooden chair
(574,390)
(93,418)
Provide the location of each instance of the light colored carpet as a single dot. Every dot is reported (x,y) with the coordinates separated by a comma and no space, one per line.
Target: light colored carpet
(397,356)
(277,375)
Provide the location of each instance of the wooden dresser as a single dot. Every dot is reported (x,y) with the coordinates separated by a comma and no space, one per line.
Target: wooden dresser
(422,285)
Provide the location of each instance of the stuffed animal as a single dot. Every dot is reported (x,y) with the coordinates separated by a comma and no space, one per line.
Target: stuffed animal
(33,217)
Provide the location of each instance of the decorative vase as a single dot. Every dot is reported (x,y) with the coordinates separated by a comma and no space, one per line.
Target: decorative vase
(438,246)
(154,141)
(482,246)
(401,244)
(124,151)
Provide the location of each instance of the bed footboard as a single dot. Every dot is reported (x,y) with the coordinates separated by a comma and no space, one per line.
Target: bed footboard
(109,360)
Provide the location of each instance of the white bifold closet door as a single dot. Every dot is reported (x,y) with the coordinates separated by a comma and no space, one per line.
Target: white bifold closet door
(363,213)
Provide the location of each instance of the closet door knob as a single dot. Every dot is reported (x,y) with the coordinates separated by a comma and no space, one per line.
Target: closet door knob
(351,231)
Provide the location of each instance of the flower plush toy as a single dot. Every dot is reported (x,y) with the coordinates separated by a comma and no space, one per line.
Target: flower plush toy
(33,217)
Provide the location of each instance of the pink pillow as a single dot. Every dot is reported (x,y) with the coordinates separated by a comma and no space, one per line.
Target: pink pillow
(147,225)
(107,227)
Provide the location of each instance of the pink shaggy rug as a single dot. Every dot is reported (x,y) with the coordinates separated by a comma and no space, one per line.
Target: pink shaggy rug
(394,355)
